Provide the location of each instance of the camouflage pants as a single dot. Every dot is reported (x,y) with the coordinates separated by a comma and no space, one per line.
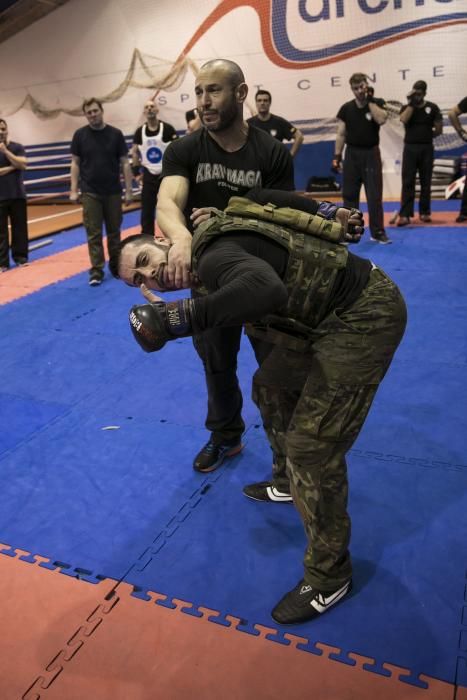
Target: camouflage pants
(313,406)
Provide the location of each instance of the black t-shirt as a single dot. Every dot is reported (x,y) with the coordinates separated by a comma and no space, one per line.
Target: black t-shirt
(361,130)
(419,128)
(244,273)
(463,105)
(12,184)
(99,151)
(216,175)
(168,133)
(279,128)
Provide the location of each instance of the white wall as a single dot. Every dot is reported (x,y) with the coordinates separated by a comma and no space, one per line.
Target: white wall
(85,47)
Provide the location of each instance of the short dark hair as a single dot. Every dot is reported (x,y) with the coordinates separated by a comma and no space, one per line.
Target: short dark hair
(420,85)
(263,92)
(357,78)
(90,101)
(139,238)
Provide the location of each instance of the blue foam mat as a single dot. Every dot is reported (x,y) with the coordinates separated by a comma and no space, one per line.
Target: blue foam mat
(96,498)
(20,418)
(409,531)
(105,500)
(420,411)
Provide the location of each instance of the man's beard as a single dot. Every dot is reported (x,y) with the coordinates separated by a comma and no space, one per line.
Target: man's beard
(227,116)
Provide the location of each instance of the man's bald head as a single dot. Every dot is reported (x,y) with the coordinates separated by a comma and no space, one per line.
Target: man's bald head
(231,70)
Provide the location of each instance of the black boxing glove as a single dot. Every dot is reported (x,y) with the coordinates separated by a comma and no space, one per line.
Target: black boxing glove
(336,163)
(154,324)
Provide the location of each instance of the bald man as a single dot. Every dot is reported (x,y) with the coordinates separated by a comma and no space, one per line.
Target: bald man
(224,158)
(149,143)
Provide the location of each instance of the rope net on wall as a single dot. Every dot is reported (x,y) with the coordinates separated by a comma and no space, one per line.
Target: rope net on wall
(145,72)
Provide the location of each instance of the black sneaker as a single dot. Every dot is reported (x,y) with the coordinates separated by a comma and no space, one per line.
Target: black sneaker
(461,218)
(21,262)
(95,279)
(304,603)
(212,456)
(380,237)
(266,491)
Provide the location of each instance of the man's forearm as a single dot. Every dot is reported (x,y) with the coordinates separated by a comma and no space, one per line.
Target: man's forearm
(74,178)
(455,121)
(340,141)
(7,169)
(172,222)
(18,162)
(297,142)
(407,114)
(378,113)
(127,175)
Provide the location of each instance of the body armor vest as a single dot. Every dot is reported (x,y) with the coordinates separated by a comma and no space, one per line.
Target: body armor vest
(312,267)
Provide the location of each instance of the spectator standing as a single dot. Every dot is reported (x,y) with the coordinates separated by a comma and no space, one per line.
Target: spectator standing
(149,143)
(279,128)
(358,127)
(454,115)
(422,121)
(12,201)
(98,153)
(202,171)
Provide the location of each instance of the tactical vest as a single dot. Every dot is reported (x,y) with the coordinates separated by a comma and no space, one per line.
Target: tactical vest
(315,259)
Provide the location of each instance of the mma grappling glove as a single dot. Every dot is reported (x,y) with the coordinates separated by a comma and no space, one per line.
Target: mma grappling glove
(154,324)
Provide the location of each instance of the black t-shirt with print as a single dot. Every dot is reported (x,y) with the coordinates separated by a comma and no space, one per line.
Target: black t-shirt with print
(361,130)
(279,128)
(419,128)
(216,175)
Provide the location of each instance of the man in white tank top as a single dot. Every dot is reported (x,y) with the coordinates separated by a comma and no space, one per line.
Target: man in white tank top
(149,143)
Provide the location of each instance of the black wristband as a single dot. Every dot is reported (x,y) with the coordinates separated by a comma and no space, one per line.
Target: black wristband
(135,169)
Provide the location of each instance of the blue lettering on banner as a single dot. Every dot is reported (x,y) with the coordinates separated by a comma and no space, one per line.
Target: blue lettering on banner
(154,155)
(327,10)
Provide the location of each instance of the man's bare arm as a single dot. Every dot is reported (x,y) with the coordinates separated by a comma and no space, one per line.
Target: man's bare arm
(18,162)
(171,203)
(297,142)
(74,176)
(453,115)
(127,175)
(438,128)
(135,156)
(407,114)
(340,138)
(378,113)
